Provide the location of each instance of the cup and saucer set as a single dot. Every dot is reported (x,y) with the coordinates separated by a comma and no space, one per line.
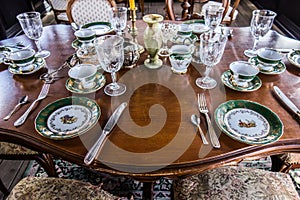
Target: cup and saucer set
(23,61)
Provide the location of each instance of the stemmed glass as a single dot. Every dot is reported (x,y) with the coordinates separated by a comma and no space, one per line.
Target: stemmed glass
(32,26)
(212,46)
(169,30)
(261,23)
(119,19)
(110,53)
(213,16)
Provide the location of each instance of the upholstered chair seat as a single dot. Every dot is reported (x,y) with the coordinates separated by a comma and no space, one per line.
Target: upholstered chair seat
(236,183)
(7,148)
(38,188)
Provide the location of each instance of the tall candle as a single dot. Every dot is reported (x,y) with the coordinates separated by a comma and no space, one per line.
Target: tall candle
(131,4)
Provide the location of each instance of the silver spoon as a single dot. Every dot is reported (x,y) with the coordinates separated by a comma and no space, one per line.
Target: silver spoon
(196,121)
(22,101)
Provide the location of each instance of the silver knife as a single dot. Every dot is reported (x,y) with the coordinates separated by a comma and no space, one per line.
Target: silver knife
(287,102)
(112,121)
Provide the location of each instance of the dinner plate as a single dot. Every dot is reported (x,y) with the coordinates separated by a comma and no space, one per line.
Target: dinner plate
(67,118)
(101,28)
(294,57)
(28,69)
(274,70)
(198,26)
(253,85)
(74,87)
(248,122)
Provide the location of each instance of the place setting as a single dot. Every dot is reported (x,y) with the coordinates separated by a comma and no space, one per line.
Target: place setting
(294,57)
(242,77)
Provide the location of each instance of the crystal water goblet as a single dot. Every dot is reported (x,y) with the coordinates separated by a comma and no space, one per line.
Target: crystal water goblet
(119,19)
(32,26)
(110,54)
(212,47)
(261,23)
(213,16)
(169,30)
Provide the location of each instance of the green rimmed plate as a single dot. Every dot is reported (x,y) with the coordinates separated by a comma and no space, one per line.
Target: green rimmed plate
(249,116)
(254,85)
(274,70)
(67,118)
(294,57)
(38,64)
(101,28)
(74,87)
(198,26)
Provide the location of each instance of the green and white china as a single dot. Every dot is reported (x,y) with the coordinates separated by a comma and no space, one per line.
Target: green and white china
(198,26)
(38,64)
(67,118)
(294,57)
(248,122)
(253,85)
(269,57)
(243,73)
(270,70)
(74,87)
(101,28)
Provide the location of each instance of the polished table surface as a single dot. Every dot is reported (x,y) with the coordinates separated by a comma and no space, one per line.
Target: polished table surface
(154,136)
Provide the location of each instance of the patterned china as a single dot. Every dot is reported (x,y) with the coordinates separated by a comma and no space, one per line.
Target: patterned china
(294,57)
(101,28)
(198,26)
(271,70)
(253,85)
(38,64)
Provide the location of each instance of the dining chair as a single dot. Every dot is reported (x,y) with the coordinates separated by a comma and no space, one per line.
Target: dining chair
(289,161)
(85,11)
(57,188)
(11,151)
(185,14)
(59,8)
(234,183)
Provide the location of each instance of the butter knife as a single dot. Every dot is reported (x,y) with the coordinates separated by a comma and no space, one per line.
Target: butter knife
(287,102)
(112,121)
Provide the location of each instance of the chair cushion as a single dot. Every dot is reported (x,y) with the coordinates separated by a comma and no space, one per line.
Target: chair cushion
(59,4)
(57,188)
(227,17)
(86,11)
(236,183)
(7,148)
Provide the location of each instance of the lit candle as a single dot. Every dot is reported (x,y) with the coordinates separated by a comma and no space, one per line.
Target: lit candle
(131,4)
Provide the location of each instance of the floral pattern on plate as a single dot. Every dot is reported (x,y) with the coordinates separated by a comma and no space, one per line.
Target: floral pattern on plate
(275,124)
(254,85)
(67,118)
(38,64)
(246,123)
(74,87)
(294,57)
(278,69)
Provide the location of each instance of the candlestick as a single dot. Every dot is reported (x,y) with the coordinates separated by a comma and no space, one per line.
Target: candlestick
(133,29)
(131,4)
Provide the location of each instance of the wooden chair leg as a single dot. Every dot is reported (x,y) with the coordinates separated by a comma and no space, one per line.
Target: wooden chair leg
(148,190)
(3,189)
(46,161)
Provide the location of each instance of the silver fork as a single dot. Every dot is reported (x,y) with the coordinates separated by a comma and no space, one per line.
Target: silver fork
(42,95)
(211,132)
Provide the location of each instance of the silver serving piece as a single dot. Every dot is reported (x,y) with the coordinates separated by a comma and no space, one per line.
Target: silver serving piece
(92,153)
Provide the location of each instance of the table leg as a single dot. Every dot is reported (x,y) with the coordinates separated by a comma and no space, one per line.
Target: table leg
(148,190)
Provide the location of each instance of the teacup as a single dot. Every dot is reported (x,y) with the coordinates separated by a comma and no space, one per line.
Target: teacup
(243,73)
(21,58)
(180,58)
(84,75)
(268,57)
(86,36)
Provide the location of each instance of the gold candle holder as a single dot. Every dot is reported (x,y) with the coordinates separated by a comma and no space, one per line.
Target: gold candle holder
(133,29)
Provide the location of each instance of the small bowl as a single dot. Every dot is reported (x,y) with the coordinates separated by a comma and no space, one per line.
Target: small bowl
(85,35)
(243,73)
(21,57)
(268,57)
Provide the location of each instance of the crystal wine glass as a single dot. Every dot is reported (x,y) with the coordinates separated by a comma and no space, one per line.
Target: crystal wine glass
(213,16)
(212,46)
(32,26)
(119,19)
(169,30)
(110,53)
(261,23)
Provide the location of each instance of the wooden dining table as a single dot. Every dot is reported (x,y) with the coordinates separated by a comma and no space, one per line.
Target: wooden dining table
(154,137)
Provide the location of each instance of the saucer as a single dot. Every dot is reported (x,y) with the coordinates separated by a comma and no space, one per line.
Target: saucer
(28,69)
(76,44)
(294,57)
(253,85)
(101,28)
(74,87)
(274,70)
(198,26)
